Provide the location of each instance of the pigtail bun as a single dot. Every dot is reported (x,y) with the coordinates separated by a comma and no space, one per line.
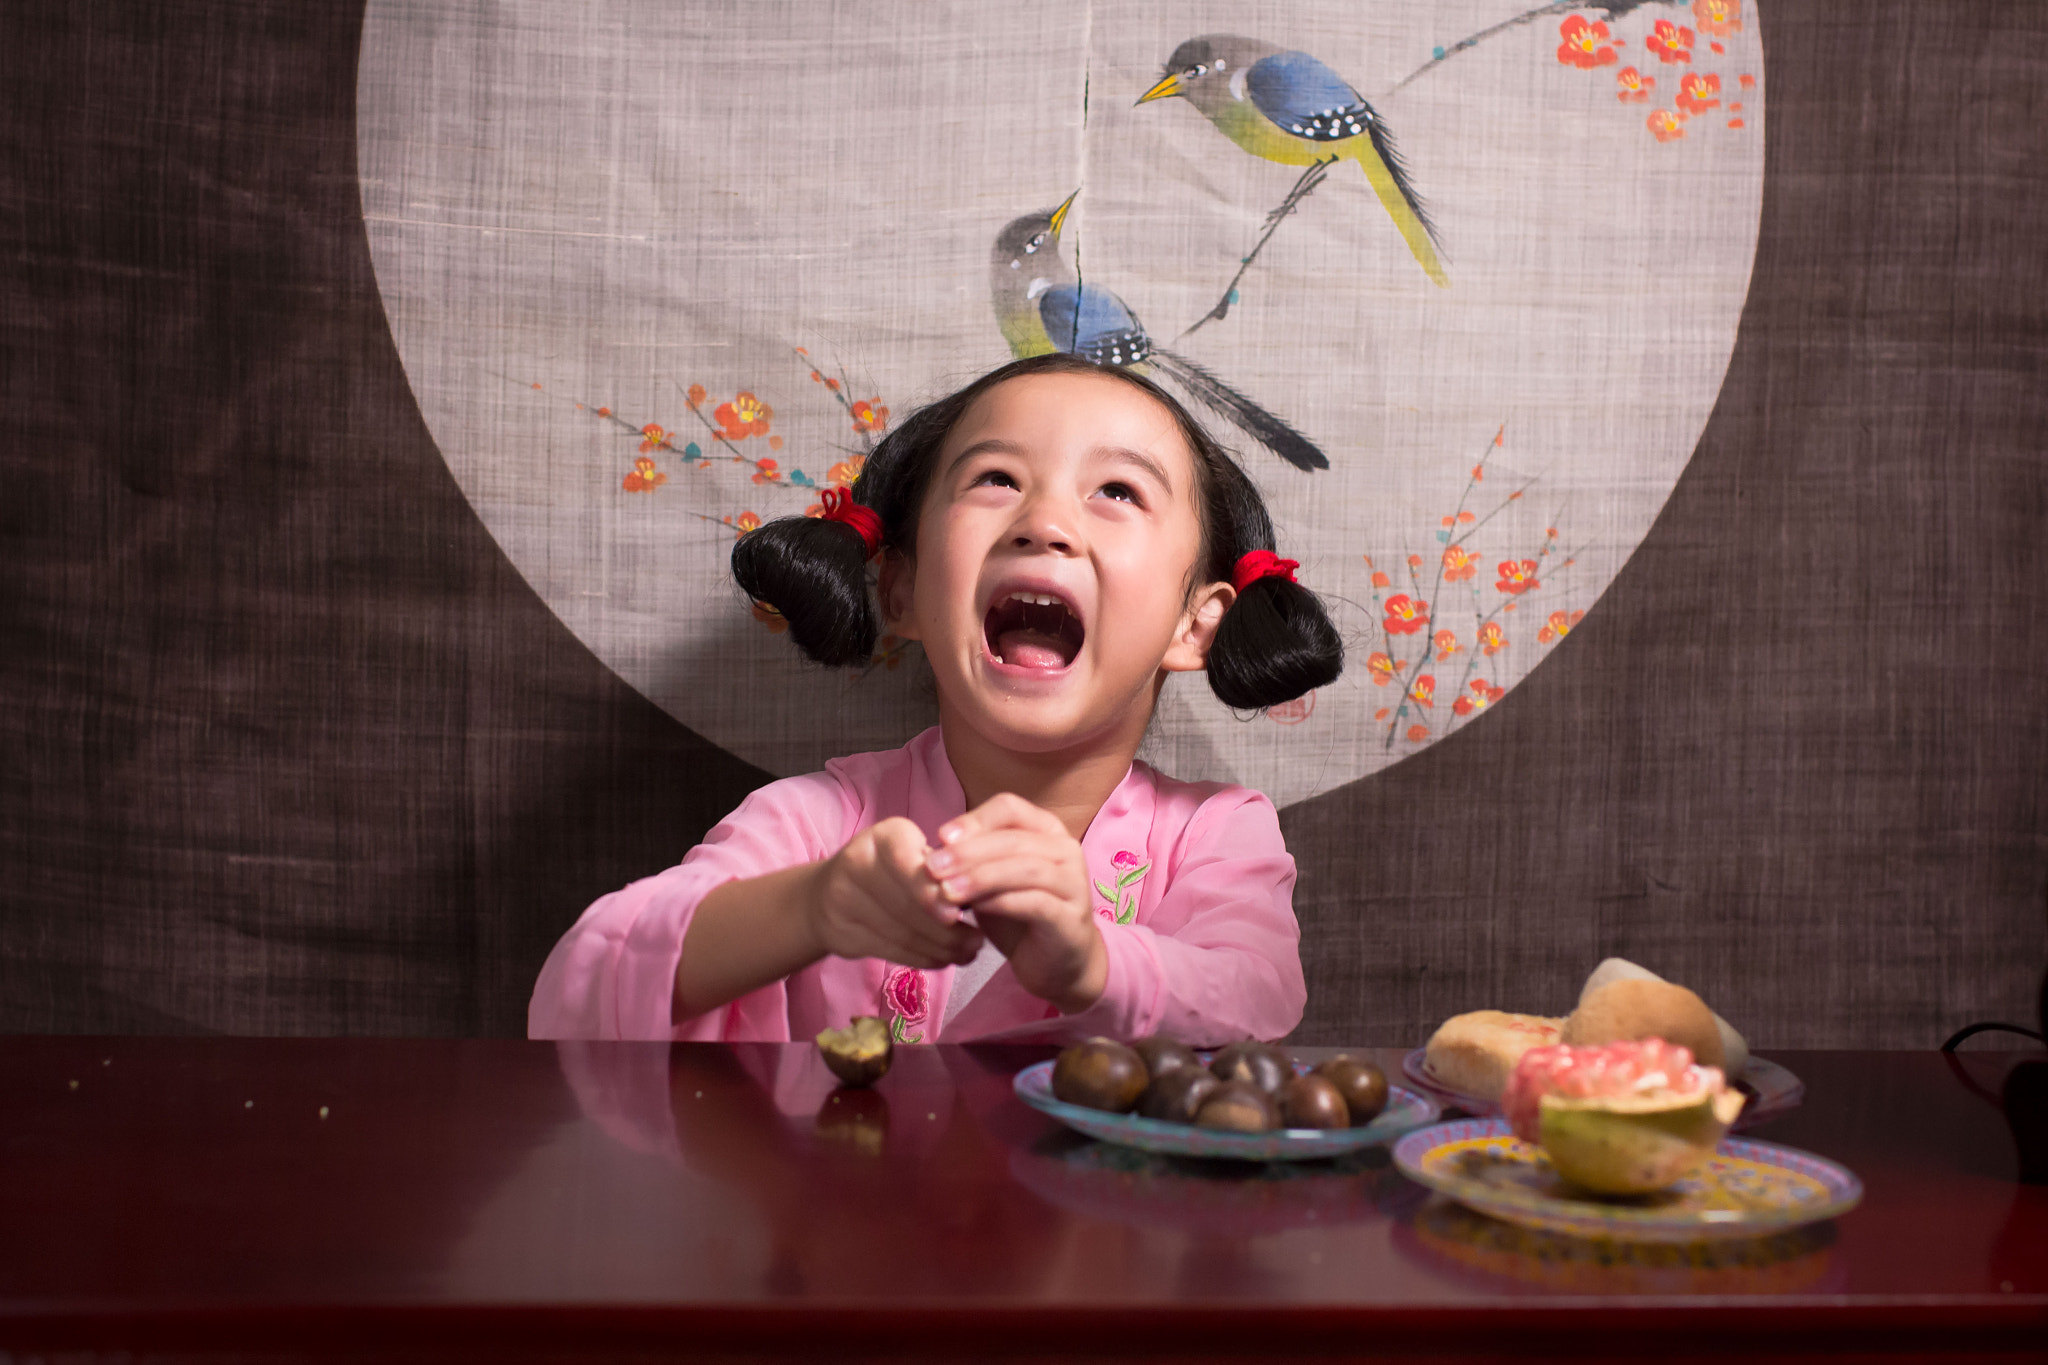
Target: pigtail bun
(814,573)
(1275,643)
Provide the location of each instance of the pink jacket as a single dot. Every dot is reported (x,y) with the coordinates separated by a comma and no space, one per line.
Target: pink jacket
(1192,881)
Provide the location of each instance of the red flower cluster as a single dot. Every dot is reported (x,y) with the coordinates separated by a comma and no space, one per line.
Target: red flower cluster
(645,478)
(1699,92)
(1586,45)
(1484,694)
(1517,576)
(1406,615)
(744,416)
(1670,42)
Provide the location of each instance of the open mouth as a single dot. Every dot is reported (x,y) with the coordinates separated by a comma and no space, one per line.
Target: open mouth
(1033,630)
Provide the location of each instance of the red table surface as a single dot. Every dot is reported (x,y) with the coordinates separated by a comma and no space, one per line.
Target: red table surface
(455,1198)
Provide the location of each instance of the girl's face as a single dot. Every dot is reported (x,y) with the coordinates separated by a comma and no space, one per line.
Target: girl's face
(1054,549)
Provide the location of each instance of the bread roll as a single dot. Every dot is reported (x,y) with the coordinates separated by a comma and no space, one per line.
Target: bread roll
(1475,1053)
(1734,1048)
(1628,1010)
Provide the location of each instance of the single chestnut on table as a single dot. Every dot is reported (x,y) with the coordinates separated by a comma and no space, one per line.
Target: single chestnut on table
(1362,1084)
(1178,1095)
(860,1053)
(1256,1064)
(1100,1074)
(1238,1107)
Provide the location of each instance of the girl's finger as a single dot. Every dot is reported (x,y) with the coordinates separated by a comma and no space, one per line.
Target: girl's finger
(1023,907)
(996,876)
(985,845)
(1005,810)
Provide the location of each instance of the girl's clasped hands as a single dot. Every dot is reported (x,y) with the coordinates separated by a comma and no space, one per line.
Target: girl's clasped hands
(887,894)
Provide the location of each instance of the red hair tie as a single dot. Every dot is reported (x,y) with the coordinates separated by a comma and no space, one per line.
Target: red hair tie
(1262,564)
(840,507)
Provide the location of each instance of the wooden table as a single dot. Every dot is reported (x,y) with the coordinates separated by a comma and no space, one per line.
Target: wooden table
(291,1198)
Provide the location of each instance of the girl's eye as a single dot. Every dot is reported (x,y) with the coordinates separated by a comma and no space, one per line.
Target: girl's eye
(992,478)
(1122,492)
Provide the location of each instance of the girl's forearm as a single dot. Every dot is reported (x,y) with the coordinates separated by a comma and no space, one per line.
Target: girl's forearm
(746,934)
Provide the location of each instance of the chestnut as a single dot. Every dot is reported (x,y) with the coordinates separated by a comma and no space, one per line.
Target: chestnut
(1099,1074)
(1238,1107)
(860,1053)
(1256,1064)
(1162,1054)
(1312,1101)
(1178,1095)
(1362,1084)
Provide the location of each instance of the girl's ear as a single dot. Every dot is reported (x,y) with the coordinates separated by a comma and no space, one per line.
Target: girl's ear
(899,616)
(1189,650)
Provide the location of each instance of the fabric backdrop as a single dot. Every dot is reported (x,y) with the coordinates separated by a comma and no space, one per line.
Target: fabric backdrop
(297,738)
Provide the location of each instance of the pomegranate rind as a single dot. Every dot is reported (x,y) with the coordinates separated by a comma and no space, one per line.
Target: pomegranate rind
(1634,1144)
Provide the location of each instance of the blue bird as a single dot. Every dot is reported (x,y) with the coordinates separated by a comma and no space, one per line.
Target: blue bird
(1042,308)
(1289,108)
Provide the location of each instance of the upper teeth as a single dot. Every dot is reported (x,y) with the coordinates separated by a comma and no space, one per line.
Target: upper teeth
(1036,599)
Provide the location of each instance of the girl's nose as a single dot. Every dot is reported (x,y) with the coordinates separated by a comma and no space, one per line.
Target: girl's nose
(1044,524)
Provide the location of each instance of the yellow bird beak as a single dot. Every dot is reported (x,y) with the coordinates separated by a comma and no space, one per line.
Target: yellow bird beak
(1059,215)
(1167,88)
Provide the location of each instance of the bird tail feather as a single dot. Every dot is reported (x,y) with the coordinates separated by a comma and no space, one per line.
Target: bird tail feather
(1389,176)
(1241,412)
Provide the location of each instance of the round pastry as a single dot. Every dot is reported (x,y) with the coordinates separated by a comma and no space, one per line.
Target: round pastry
(1632,1009)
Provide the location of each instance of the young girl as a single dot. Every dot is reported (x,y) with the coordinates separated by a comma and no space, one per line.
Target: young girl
(1058,536)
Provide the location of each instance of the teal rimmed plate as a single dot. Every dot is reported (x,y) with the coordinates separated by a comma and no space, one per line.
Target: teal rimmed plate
(1747,1189)
(1406,1110)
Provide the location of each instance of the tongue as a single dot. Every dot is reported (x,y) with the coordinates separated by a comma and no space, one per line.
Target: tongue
(1032,649)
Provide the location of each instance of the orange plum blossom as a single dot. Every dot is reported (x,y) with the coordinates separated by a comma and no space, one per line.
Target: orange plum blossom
(1586,45)
(1718,17)
(1446,643)
(1492,639)
(1458,564)
(645,478)
(870,415)
(1406,615)
(1381,668)
(1699,92)
(1484,694)
(1671,42)
(1517,576)
(1558,626)
(744,416)
(1424,690)
(1635,86)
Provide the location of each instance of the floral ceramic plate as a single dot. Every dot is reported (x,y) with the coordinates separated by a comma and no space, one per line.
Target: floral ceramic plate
(1405,1110)
(1771,1089)
(1748,1189)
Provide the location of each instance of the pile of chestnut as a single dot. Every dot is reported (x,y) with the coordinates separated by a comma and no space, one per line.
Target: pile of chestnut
(1245,1088)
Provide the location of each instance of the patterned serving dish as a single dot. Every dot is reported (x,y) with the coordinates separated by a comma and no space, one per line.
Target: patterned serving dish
(1747,1189)
(1406,1110)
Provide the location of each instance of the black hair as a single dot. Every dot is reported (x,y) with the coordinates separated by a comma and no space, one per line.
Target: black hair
(1275,643)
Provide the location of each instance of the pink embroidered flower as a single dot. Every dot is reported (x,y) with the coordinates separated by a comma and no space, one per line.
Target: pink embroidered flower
(1125,860)
(907,995)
